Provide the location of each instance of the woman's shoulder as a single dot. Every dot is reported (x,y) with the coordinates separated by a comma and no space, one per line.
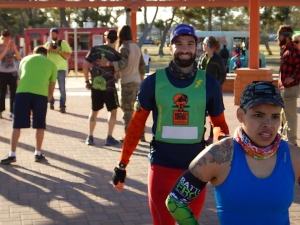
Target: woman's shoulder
(220,156)
(217,57)
(295,158)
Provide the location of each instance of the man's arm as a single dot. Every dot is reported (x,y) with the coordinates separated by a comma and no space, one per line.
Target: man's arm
(220,127)
(66,55)
(85,69)
(296,59)
(133,134)
(17,53)
(52,82)
(51,90)
(122,64)
(65,50)
(142,67)
(222,72)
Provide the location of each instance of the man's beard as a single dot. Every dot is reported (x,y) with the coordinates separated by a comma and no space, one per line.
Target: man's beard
(184,62)
(54,39)
(282,43)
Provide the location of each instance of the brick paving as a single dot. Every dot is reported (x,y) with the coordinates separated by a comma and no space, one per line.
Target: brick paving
(74,186)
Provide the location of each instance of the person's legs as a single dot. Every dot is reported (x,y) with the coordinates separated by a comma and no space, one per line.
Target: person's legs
(112,103)
(39,135)
(290,96)
(92,122)
(3,87)
(61,79)
(12,82)
(111,120)
(160,182)
(21,120)
(39,112)
(128,97)
(14,139)
(97,104)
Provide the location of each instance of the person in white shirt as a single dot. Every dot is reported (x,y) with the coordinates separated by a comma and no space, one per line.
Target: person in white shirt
(147,60)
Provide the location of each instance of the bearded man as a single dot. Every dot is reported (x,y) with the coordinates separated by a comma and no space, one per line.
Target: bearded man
(177,130)
(288,82)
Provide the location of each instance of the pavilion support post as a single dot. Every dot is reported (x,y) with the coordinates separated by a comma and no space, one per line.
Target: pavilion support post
(133,25)
(245,76)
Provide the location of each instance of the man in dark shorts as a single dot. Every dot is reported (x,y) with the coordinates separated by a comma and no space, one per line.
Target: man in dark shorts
(37,81)
(103,88)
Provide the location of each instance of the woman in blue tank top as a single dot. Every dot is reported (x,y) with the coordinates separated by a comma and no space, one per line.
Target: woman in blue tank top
(253,173)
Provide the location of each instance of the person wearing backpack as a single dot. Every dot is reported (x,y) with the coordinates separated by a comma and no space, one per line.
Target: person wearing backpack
(58,52)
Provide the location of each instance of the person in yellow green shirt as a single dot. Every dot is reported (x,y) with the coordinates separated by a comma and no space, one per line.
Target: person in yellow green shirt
(58,52)
(38,75)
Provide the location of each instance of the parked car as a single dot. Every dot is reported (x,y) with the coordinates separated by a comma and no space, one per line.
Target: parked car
(273,38)
(149,41)
(156,41)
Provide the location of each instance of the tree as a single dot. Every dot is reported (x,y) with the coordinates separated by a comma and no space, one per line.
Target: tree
(147,26)
(167,26)
(102,16)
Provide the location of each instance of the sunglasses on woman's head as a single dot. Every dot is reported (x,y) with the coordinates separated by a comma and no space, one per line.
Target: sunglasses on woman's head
(296,42)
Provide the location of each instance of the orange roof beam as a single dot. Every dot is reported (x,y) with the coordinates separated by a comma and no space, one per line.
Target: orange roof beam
(140,3)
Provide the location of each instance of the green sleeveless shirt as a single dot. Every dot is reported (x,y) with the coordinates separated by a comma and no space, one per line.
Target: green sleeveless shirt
(181,111)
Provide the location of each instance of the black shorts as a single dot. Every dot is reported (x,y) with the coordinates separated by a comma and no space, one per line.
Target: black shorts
(110,98)
(24,104)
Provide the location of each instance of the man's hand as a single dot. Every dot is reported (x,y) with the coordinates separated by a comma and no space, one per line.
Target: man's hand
(49,97)
(288,80)
(102,62)
(88,85)
(118,178)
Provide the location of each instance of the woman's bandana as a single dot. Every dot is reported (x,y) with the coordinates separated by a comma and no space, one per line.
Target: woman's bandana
(253,151)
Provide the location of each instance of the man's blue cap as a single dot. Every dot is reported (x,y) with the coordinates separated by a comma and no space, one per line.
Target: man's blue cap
(54,30)
(182,29)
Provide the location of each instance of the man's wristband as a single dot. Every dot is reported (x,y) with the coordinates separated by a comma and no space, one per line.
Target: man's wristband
(87,81)
(122,165)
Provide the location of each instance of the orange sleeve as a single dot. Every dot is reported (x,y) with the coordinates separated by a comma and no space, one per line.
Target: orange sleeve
(219,125)
(133,134)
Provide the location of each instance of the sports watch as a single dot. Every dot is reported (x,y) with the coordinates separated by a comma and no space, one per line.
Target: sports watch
(122,165)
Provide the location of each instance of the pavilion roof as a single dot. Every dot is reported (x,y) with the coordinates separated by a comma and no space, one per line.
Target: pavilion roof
(138,3)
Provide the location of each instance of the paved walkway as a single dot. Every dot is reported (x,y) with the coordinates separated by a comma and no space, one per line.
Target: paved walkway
(74,186)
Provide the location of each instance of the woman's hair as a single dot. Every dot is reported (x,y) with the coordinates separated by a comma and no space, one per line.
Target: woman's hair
(296,37)
(213,43)
(124,34)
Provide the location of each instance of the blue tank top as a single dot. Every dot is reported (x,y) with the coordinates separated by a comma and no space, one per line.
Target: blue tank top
(245,199)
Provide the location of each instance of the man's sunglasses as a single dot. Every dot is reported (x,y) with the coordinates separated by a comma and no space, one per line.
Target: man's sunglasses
(296,42)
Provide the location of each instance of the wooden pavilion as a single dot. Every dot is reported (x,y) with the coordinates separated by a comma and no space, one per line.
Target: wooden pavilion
(244,75)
